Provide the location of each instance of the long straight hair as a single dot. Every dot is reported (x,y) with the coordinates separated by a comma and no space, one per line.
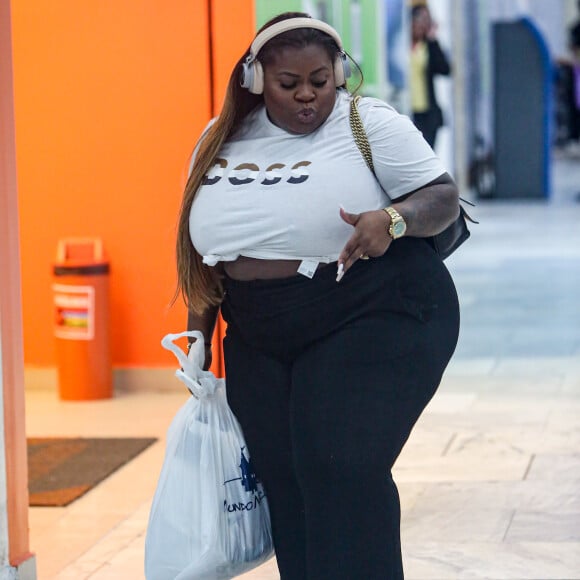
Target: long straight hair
(200,285)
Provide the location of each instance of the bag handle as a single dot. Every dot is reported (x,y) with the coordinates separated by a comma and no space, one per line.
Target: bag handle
(199,382)
(360,135)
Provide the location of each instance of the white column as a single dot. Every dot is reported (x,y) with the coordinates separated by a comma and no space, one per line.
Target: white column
(16,561)
(459,95)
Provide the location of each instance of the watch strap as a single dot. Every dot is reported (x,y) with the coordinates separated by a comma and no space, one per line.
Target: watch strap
(396,217)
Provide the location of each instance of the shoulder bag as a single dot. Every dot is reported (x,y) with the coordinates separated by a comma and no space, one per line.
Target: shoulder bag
(444,243)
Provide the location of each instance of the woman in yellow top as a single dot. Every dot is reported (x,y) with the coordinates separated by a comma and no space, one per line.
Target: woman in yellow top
(427,60)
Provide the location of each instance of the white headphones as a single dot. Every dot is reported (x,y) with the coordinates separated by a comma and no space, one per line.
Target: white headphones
(252,71)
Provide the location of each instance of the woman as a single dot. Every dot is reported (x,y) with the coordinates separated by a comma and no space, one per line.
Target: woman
(330,358)
(427,61)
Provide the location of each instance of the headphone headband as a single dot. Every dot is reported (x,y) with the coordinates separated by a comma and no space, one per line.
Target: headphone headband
(291,24)
(252,77)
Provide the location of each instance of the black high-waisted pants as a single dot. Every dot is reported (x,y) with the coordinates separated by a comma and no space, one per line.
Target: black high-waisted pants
(327,380)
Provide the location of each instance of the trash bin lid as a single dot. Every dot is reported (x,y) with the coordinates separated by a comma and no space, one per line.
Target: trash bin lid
(81,270)
(80,256)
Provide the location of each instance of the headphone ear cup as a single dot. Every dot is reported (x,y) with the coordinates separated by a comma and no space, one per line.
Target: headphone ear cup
(341,69)
(258,78)
(253,77)
(247,75)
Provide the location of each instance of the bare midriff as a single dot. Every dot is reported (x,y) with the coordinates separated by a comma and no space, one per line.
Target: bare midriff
(253,269)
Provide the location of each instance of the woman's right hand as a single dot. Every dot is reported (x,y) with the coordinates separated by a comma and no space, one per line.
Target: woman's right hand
(205,323)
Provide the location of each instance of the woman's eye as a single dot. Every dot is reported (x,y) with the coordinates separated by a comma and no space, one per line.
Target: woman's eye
(316,84)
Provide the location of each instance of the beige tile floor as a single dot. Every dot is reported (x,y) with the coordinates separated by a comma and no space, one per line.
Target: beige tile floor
(490,479)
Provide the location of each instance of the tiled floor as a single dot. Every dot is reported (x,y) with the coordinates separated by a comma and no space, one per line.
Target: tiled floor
(490,479)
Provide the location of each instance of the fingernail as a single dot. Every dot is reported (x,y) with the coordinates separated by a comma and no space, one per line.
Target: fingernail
(340,272)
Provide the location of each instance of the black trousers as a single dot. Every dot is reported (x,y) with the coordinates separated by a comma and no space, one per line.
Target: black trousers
(429,124)
(327,380)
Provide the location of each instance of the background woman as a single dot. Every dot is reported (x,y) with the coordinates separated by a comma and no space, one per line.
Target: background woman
(427,61)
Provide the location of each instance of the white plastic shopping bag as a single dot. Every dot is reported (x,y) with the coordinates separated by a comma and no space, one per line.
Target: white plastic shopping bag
(209,519)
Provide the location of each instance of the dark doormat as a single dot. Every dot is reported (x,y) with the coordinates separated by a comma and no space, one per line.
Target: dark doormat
(61,470)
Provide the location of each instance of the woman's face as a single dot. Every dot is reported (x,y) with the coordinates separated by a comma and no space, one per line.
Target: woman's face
(299,89)
(421,24)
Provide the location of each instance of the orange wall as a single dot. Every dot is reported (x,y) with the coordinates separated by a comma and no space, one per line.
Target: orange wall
(233,28)
(109,99)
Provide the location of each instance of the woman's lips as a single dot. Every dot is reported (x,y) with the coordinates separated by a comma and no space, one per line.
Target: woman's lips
(306,115)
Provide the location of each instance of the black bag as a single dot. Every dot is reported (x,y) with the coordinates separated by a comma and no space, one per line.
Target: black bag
(447,241)
(444,243)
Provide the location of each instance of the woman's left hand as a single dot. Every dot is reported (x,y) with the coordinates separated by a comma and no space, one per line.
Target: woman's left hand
(370,237)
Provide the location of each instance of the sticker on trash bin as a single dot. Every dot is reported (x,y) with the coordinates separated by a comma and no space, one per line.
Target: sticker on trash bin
(74,312)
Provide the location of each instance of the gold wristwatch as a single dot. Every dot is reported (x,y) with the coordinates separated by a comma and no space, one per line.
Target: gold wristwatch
(398,226)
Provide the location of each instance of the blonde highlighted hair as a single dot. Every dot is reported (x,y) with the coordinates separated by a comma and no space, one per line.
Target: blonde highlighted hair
(200,285)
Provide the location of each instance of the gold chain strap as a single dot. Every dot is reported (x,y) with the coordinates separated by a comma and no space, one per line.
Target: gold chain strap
(359,133)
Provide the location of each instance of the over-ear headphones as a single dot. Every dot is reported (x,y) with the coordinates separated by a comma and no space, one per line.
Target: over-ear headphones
(252,71)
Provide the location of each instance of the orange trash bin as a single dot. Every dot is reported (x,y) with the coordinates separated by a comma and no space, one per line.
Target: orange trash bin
(81,302)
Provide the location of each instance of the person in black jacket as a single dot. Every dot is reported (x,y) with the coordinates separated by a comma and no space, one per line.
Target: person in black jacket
(574,40)
(427,60)
(574,83)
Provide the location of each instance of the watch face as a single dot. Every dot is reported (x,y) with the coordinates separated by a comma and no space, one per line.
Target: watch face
(399,229)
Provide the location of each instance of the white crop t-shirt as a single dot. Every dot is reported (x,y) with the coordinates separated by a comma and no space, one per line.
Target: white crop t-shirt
(274,195)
